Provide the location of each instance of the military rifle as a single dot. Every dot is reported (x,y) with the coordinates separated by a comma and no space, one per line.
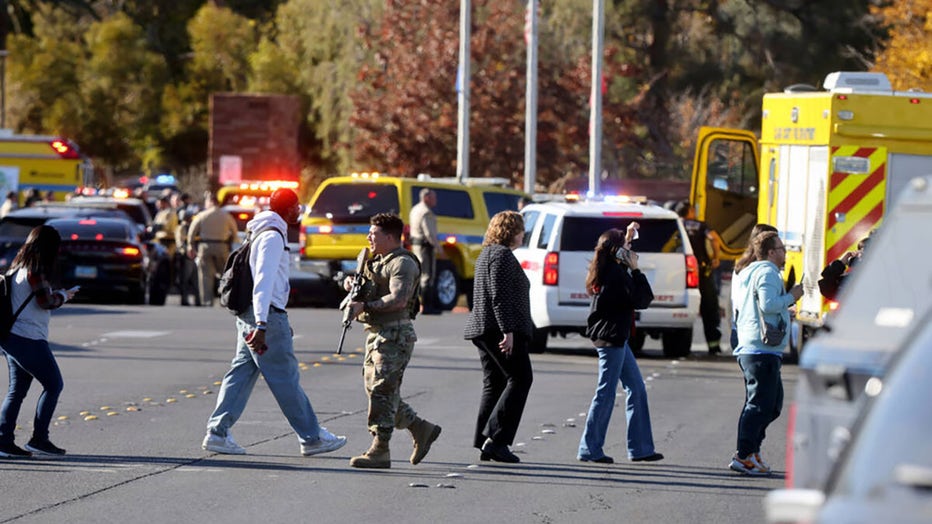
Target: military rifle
(352,296)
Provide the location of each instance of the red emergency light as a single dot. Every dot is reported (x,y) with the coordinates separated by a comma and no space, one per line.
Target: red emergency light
(64,149)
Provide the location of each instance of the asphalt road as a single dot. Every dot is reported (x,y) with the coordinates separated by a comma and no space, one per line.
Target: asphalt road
(141,381)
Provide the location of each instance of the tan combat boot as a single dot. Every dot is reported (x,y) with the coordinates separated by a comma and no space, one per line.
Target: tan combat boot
(376,457)
(424,434)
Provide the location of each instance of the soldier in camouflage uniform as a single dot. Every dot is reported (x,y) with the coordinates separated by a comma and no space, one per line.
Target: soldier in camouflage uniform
(386,306)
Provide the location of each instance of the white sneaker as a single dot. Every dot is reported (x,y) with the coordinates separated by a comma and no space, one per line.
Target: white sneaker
(760,462)
(328,442)
(224,445)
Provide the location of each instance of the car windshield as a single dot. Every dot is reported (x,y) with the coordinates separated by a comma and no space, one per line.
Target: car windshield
(355,202)
(91,229)
(654,236)
(892,447)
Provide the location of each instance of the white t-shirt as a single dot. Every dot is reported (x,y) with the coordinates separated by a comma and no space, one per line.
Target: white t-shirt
(33,322)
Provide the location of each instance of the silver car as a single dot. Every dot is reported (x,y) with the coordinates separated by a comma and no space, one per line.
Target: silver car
(885,474)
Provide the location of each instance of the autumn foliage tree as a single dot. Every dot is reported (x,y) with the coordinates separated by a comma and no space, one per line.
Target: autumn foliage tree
(907,57)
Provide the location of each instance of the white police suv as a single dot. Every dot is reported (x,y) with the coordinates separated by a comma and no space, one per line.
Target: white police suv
(559,242)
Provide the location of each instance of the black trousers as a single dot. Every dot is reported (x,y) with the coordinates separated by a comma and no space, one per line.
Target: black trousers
(708,309)
(506,381)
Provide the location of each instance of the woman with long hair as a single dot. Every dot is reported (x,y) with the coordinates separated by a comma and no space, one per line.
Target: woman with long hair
(500,327)
(27,349)
(617,288)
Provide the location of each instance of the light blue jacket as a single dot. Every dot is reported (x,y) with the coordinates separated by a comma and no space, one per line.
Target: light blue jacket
(763,280)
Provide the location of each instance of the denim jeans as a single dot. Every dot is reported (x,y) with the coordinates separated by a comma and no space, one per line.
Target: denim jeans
(28,359)
(617,363)
(763,400)
(278,366)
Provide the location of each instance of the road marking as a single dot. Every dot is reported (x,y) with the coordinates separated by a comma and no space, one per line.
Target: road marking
(136,334)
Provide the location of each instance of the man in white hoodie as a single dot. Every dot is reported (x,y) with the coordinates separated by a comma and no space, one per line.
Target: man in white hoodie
(760,299)
(264,342)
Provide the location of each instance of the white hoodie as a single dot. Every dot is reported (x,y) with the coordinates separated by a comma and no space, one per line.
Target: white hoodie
(268,260)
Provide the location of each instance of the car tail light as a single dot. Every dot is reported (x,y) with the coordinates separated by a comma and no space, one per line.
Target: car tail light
(790,429)
(129,251)
(552,269)
(692,272)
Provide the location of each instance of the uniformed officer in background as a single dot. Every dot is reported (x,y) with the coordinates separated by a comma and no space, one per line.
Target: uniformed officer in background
(706,244)
(423,224)
(387,307)
(210,238)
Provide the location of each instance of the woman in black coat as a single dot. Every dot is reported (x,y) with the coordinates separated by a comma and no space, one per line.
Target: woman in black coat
(618,288)
(500,327)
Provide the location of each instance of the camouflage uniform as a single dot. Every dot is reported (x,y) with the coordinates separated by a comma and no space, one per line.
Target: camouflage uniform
(389,343)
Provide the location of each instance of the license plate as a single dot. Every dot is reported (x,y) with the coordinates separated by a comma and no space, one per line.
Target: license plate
(85,272)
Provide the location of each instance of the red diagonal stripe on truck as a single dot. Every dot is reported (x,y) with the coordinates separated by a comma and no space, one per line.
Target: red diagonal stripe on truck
(856,233)
(866,186)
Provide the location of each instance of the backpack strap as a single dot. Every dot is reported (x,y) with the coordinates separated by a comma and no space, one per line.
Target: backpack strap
(25,302)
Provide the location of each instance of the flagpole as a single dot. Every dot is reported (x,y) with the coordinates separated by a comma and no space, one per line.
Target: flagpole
(530,121)
(595,109)
(463,75)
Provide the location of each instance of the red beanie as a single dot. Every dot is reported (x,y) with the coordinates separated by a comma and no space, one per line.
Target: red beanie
(282,200)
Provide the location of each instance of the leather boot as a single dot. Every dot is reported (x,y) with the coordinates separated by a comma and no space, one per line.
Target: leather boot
(376,457)
(424,434)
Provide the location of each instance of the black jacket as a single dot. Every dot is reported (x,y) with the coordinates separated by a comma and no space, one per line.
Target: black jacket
(833,278)
(612,310)
(501,295)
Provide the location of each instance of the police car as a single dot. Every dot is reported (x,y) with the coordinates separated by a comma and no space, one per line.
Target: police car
(559,242)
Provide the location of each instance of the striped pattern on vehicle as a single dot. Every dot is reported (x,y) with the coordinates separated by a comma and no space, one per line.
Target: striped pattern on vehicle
(855,201)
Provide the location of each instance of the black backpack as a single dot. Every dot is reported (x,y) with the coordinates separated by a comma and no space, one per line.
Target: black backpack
(236,282)
(7,316)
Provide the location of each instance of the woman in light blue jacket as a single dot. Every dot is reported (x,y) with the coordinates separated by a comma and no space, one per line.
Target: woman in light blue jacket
(759,297)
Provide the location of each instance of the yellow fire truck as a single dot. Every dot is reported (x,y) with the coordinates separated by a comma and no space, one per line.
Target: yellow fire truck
(44,163)
(831,162)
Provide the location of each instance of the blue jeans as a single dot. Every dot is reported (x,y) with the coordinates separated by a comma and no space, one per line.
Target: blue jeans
(278,366)
(617,363)
(763,400)
(28,359)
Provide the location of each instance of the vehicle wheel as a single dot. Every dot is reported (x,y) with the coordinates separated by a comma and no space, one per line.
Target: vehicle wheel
(447,285)
(538,342)
(677,342)
(636,342)
(137,295)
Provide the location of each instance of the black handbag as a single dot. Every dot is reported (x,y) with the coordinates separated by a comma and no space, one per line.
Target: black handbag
(770,335)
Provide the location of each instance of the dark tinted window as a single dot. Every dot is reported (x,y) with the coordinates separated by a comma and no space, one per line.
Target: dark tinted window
(654,235)
(498,202)
(545,230)
(355,202)
(90,229)
(18,227)
(530,218)
(453,203)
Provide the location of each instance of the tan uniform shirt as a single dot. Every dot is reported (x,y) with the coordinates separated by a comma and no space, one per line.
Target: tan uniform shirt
(212,226)
(423,224)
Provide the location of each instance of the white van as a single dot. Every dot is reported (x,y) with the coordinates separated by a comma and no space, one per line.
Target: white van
(559,241)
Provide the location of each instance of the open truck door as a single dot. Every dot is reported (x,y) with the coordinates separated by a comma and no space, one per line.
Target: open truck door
(725,185)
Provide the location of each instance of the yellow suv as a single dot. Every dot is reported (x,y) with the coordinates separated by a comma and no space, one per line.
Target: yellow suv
(336,223)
